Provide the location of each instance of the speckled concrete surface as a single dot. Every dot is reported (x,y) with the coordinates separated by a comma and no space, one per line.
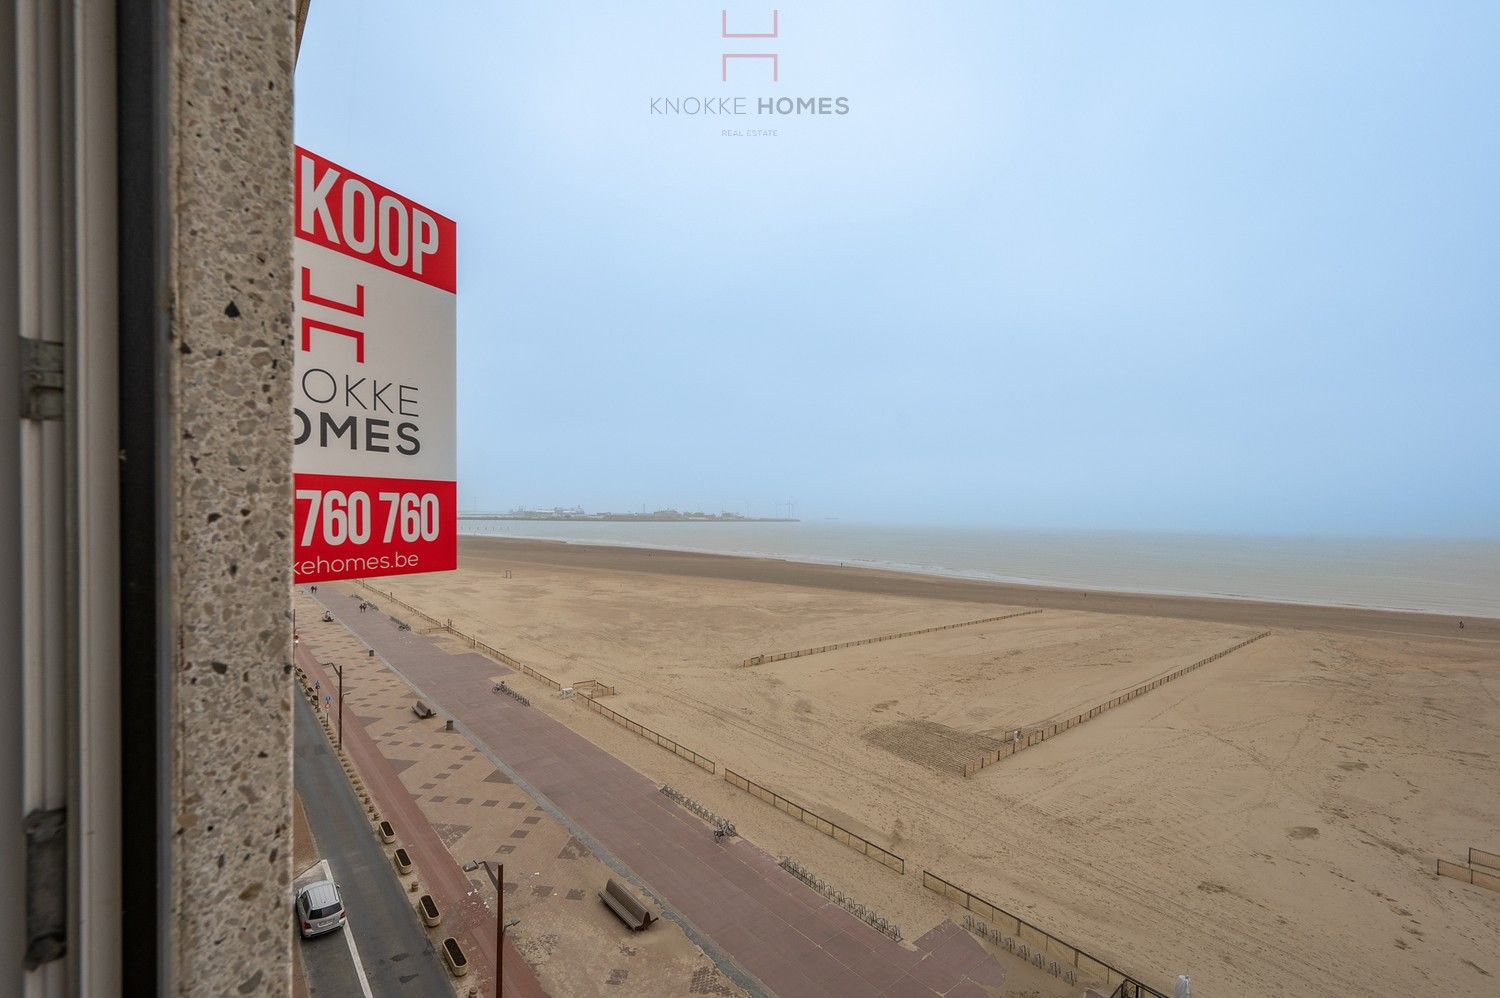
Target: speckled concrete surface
(230,183)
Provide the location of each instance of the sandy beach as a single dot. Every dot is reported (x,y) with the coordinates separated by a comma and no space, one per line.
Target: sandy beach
(1268,823)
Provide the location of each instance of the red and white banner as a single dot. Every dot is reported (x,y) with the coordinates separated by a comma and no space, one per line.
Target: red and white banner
(375,328)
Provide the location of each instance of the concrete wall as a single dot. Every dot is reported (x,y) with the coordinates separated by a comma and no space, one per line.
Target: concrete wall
(229,416)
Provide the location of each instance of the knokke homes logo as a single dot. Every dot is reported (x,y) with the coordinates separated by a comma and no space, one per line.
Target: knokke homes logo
(748,53)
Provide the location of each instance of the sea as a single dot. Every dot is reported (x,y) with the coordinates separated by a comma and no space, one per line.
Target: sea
(1427,575)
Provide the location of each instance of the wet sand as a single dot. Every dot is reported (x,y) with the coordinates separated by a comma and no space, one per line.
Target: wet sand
(487,552)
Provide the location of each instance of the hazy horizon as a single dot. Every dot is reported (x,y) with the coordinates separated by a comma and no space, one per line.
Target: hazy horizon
(1460,576)
(1003,527)
(1060,267)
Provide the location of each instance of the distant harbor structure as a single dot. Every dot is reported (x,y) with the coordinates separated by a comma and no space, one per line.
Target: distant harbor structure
(577,513)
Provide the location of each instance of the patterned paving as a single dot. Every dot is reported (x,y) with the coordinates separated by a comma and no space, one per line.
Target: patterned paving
(572,945)
(732,897)
(441,875)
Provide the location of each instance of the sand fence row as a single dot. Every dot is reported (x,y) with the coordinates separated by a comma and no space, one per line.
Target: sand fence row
(783,656)
(589,691)
(838,833)
(810,818)
(432,621)
(1044,942)
(1039,940)
(590,688)
(1038,735)
(1483,869)
(676,748)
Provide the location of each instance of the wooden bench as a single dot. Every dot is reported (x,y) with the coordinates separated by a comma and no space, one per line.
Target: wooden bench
(635,915)
(421,710)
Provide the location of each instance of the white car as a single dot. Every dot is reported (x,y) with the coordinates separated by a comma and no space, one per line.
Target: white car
(319,907)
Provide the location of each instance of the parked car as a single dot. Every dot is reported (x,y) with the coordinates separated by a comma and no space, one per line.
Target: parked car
(320,908)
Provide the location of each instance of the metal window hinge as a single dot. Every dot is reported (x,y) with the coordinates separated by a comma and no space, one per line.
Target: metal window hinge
(46,886)
(41,379)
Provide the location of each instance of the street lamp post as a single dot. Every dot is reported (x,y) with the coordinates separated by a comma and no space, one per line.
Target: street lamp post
(500,923)
(500,929)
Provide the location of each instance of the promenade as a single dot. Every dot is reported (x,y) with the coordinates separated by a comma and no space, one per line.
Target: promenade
(467,919)
(765,929)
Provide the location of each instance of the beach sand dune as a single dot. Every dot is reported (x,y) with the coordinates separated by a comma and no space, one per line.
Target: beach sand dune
(1268,823)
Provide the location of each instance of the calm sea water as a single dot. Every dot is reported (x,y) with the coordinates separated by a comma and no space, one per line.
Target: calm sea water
(1460,577)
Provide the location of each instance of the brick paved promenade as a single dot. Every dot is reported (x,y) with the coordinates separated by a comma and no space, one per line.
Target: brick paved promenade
(464,917)
(766,929)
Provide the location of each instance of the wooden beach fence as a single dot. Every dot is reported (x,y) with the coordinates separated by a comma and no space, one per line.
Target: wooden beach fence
(1039,940)
(802,653)
(512,661)
(1483,869)
(586,687)
(837,832)
(433,621)
(592,688)
(675,747)
(1038,735)
(589,690)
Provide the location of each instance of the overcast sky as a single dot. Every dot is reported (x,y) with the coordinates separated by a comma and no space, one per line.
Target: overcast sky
(1134,265)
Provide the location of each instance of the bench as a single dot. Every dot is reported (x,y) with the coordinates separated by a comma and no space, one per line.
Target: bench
(635,915)
(421,710)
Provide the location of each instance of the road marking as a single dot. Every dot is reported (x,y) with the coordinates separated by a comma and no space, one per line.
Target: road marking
(359,968)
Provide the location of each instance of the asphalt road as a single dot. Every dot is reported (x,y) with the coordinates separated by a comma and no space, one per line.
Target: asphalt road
(398,959)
